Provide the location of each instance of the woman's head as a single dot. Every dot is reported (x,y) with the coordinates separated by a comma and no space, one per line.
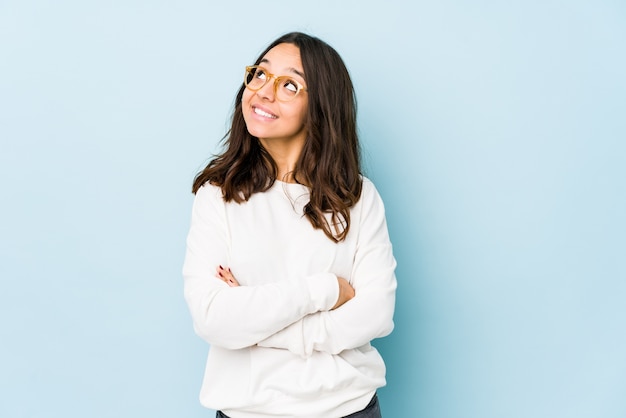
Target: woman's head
(274,102)
(330,121)
(322,115)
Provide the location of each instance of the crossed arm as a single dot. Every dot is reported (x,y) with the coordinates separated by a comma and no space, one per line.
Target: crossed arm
(346,291)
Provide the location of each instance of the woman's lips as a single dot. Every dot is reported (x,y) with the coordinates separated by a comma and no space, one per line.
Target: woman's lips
(263,113)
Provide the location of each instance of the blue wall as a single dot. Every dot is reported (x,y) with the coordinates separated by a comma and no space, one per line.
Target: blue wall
(494,130)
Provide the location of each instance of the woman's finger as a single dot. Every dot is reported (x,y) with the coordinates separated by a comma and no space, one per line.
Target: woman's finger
(227,276)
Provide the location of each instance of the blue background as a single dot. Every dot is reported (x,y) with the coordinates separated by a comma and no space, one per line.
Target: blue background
(494,131)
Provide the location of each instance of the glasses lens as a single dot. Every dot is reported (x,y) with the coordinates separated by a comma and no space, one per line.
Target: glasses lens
(286,89)
(256,77)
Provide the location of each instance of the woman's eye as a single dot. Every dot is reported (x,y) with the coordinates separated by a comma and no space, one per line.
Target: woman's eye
(260,74)
(291,86)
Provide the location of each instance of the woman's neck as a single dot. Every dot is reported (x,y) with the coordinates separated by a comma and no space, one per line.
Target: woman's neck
(285,157)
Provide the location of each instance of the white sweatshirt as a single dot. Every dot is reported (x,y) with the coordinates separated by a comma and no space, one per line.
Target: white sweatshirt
(277,350)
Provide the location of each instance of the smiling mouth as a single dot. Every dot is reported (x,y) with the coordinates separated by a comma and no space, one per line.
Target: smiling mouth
(263,113)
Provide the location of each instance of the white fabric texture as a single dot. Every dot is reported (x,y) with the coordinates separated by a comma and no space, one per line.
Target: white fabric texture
(276,348)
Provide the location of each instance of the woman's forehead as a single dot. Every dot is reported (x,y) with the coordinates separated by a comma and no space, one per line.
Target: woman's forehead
(283,58)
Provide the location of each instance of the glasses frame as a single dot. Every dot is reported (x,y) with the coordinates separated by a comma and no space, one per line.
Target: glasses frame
(277,79)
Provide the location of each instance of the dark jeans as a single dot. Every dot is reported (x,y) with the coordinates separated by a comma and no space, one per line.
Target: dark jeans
(372,410)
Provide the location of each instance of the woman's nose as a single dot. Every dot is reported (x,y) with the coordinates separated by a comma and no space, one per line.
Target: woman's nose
(267,91)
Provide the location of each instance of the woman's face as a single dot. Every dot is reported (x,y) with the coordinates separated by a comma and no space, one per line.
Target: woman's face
(271,120)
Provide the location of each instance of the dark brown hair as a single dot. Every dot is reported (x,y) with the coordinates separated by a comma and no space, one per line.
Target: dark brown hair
(330,160)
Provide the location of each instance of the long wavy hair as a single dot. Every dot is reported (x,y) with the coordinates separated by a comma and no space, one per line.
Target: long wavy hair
(330,161)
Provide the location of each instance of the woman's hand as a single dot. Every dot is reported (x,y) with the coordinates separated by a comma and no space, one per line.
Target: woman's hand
(346,292)
(225,275)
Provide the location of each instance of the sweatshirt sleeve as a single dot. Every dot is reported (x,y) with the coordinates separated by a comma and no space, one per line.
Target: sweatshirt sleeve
(369,314)
(238,317)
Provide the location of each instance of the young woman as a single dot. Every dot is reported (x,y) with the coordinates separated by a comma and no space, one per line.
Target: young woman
(289,271)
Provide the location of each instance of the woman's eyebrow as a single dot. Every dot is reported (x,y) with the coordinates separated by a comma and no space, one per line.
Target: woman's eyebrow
(293,70)
(297,72)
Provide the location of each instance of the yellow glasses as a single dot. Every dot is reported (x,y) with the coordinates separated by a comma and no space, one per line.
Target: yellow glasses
(285,87)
